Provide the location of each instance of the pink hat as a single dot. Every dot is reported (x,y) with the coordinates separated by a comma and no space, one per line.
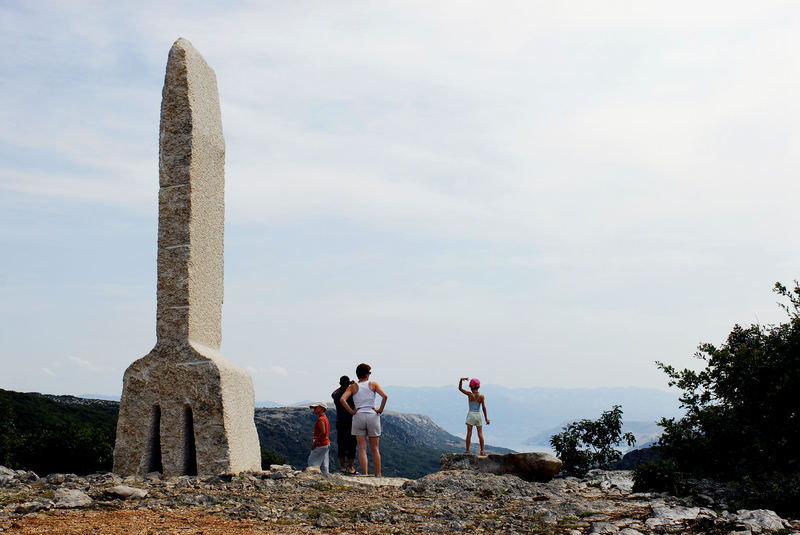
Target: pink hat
(474,383)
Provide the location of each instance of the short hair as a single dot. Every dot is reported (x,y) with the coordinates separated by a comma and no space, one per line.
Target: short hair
(344,381)
(362,370)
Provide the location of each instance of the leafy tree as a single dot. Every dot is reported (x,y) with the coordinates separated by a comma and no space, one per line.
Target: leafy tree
(589,444)
(742,422)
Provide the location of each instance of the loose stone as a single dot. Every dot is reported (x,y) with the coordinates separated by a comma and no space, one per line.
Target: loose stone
(70,498)
(124,492)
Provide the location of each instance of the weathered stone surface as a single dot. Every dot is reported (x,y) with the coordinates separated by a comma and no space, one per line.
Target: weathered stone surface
(665,515)
(27,476)
(377,481)
(611,480)
(124,492)
(529,466)
(33,507)
(199,499)
(603,528)
(759,520)
(325,520)
(185,409)
(71,498)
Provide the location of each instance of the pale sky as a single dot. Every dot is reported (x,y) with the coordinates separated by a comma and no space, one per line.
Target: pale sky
(534,193)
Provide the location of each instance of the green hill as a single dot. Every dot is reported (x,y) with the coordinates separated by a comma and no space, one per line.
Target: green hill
(50,434)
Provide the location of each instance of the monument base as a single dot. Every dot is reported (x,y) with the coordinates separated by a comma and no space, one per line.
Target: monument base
(186,410)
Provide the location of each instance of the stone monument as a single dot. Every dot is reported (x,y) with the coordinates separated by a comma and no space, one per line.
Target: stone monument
(186,410)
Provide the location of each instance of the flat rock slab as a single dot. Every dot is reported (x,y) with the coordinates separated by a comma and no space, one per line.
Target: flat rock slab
(125,492)
(71,498)
(351,479)
(374,481)
(531,466)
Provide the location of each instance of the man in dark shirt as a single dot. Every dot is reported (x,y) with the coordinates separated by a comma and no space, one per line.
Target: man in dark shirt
(344,420)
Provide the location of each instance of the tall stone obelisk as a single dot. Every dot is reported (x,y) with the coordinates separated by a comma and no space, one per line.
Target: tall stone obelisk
(185,409)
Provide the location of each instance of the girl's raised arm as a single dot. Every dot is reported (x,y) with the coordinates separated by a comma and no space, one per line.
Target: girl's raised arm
(461,382)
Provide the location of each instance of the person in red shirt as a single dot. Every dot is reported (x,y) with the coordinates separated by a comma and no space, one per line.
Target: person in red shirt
(322,442)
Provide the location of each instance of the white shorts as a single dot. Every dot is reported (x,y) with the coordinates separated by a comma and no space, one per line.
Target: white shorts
(366,423)
(474,418)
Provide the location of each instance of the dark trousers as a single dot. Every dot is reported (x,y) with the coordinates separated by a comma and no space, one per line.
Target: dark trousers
(344,440)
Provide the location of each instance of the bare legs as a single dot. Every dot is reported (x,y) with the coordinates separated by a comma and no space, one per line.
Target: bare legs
(362,454)
(480,438)
(376,455)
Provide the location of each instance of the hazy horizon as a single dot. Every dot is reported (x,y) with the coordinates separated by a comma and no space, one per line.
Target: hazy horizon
(116,397)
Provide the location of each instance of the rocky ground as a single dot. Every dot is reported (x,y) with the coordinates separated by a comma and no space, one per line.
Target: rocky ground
(282,500)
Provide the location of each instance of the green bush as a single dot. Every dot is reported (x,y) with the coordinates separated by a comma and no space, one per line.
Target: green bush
(742,422)
(774,490)
(269,457)
(661,475)
(589,444)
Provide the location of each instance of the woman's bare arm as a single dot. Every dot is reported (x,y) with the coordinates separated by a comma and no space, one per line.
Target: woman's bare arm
(343,400)
(377,389)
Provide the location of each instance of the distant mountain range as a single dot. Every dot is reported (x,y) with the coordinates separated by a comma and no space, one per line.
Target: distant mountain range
(523,419)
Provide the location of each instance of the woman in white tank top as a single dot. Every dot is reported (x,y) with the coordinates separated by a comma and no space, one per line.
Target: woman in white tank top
(364,398)
(366,418)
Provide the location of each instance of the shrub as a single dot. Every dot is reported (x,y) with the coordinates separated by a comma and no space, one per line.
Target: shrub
(742,423)
(589,444)
(661,475)
(269,457)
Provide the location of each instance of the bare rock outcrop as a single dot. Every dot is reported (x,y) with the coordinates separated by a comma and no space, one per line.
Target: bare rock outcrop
(532,466)
(282,500)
